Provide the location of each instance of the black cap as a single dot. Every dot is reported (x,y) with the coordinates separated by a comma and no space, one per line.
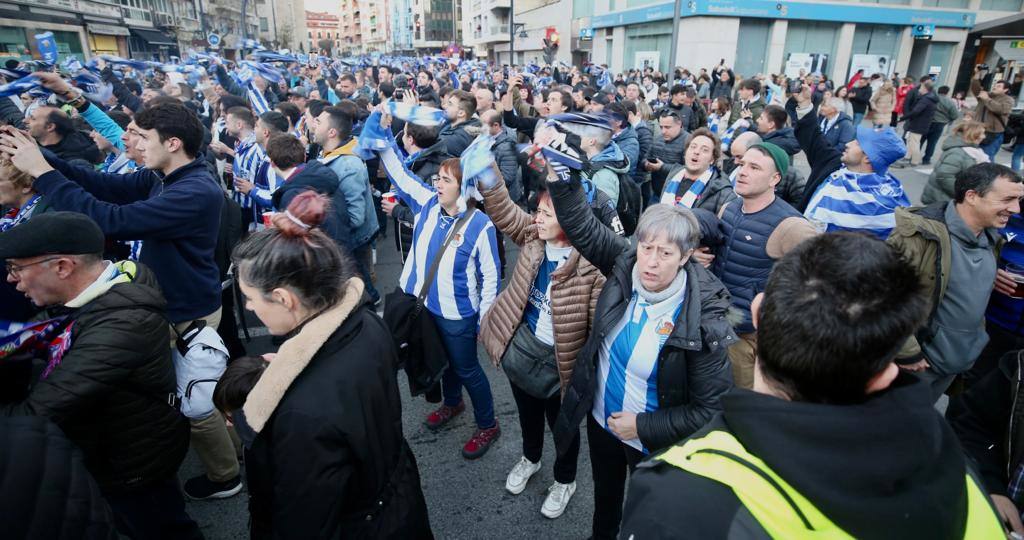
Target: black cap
(52,233)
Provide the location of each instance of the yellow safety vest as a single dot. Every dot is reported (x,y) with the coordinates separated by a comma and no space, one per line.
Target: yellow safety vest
(781,510)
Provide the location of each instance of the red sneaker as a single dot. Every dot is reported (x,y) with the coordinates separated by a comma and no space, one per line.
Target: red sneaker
(481,442)
(437,419)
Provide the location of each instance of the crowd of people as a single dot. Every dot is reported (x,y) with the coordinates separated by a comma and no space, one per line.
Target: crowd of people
(750,348)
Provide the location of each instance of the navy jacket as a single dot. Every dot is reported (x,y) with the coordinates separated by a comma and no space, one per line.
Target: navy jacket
(177,217)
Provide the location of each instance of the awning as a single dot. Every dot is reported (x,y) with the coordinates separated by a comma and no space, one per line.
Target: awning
(153,37)
(106,29)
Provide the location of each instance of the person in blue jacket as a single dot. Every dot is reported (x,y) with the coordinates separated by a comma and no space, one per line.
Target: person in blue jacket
(173,205)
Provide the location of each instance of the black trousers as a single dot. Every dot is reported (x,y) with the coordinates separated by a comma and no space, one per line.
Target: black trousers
(532,413)
(154,512)
(1000,342)
(934,133)
(610,461)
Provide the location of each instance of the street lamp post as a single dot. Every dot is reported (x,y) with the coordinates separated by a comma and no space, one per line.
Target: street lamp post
(676,13)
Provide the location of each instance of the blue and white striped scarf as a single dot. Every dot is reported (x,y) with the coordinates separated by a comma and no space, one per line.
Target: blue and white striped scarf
(689,198)
(416,114)
(850,201)
(738,126)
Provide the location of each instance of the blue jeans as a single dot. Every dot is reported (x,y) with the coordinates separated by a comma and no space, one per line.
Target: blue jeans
(1018,155)
(992,148)
(459,338)
(857,118)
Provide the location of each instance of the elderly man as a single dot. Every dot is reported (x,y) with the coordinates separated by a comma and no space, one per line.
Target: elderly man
(107,380)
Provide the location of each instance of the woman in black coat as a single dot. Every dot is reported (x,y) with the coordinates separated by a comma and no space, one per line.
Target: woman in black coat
(660,319)
(328,459)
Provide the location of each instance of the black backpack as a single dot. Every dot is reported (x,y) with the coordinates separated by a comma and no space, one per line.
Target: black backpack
(630,204)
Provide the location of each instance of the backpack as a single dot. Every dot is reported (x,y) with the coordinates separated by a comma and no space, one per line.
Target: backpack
(630,204)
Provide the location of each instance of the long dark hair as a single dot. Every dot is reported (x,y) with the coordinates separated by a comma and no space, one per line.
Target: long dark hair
(297,255)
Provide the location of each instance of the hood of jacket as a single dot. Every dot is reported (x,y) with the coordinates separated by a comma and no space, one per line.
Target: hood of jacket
(889,464)
(612,158)
(784,138)
(76,145)
(124,284)
(955,141)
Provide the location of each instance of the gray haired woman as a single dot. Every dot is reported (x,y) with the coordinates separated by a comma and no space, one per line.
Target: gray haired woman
(655,364)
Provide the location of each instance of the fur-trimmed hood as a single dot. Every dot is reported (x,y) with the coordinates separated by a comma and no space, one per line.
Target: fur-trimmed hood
(295,354)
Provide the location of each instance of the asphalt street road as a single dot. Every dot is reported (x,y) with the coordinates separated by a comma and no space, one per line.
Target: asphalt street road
(467,499)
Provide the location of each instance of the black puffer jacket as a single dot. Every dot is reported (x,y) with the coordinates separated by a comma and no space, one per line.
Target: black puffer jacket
(110,392)
(457,138)
(45,489)
(320,178)
(693,366)
(669,153)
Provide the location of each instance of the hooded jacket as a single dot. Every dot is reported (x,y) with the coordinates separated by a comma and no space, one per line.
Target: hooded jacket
(606,168)
(957,155)
(76,145)
(329,459)
(109,394)
(784,138)
(575,287)
(922,236)
(890,466)
(457,138)
(318,177)
(693,366)
(176,216)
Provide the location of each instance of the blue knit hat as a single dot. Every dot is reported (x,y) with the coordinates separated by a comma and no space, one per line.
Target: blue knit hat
(882,146)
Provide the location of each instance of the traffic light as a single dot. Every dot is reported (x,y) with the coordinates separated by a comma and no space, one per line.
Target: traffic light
(551,39)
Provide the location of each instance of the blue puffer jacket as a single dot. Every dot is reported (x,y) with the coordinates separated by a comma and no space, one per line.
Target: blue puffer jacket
(354,184)
(630,146)
(742,262)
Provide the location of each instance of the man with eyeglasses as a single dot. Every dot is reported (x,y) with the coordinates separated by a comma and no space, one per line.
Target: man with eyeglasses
(106,374)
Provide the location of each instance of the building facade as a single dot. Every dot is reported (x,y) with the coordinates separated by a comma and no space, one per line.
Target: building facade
(437,24)
(323,32)
(766,36)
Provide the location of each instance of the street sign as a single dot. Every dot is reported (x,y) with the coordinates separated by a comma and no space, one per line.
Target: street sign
(213,40)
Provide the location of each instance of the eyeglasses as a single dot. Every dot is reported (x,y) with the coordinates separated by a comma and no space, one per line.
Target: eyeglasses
(15,269)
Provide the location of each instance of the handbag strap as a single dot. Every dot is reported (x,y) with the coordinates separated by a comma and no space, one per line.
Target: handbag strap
(432,272)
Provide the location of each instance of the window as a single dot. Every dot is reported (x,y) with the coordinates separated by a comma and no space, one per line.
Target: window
(1002,5)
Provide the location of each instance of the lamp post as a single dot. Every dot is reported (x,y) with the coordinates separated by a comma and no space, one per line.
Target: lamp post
(676,13)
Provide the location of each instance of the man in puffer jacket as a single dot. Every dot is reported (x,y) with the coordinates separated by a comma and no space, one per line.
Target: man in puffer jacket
(108,380)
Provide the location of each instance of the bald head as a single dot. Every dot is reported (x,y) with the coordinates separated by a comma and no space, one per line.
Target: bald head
(742,142)
(484,99)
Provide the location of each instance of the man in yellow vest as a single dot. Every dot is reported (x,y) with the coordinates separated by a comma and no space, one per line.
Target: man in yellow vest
(833,441)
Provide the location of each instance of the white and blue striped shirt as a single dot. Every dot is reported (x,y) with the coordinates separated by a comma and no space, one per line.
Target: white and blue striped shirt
(248,157)
(627,372)
(468,276)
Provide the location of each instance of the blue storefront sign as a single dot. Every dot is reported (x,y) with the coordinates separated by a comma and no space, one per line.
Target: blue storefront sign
(769,9)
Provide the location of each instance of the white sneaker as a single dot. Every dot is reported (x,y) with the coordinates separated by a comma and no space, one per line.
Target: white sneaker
(520,475)
(557,499)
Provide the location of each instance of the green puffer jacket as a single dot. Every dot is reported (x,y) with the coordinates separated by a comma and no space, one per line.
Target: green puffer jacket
(956,156)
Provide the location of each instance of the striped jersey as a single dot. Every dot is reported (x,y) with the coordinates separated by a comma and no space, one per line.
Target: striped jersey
(468,276)
(537,314)
(849,201)
(627,371)
(248,157)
